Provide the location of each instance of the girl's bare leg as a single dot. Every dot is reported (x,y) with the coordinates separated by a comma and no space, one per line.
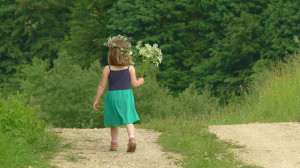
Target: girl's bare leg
(130,130)
(114,133)
(132,143)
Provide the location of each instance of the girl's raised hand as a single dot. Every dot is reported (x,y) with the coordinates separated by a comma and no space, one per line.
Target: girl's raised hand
(95,105)
(141,81)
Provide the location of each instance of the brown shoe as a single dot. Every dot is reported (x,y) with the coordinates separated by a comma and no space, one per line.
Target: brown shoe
(113,146)
(131,145)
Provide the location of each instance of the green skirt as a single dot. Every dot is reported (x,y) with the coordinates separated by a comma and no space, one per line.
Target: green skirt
(119,108)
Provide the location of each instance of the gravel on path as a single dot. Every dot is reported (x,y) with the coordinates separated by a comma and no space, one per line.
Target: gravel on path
(89,148)
(270,145)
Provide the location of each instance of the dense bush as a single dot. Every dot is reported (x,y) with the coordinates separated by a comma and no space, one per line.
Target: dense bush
(153,101)
(23,136)
(65,92)
(19,120)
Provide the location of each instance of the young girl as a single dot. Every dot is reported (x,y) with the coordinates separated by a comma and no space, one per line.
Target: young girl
(119,108)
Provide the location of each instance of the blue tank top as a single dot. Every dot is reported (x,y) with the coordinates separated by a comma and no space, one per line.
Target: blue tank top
(119,79)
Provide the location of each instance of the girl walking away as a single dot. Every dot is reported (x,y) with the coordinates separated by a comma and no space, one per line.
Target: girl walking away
(119,108)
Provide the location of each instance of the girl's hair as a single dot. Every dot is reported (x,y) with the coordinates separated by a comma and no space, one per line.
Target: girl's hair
(118,57)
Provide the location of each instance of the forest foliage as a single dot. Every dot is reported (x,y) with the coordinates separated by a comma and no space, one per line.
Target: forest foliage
(212,48)
(207,42)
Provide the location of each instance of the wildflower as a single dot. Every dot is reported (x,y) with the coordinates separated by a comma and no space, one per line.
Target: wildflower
(111,44)
(149,54)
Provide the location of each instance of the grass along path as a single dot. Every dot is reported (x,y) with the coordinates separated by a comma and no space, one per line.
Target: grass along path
(89,148)
(199,147)
(254,145)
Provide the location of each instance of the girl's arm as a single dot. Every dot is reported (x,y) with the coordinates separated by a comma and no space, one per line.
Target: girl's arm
(101,86)
(135,83)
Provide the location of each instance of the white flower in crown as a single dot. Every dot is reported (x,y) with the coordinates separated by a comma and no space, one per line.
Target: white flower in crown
(111,44)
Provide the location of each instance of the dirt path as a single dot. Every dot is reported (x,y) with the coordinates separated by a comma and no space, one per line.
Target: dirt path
(273,145)
(89,148)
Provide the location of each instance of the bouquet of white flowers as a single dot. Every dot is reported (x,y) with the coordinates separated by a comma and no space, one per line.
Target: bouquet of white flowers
(149,54)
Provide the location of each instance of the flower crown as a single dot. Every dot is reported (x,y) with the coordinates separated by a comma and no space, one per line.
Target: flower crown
(111,44)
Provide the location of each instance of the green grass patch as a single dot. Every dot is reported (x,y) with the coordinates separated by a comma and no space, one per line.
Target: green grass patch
(24,139)
(71,158)
(14,153)
(273,97)
(74,157)
(199,147)
(67,146)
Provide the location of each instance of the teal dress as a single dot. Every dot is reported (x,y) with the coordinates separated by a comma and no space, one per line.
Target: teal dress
(119,108)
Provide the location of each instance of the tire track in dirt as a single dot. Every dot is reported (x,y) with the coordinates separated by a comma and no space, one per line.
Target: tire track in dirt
(270,145)
(89,148)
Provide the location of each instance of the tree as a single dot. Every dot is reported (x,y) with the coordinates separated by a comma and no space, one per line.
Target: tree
(280,22)
(162,22)
(87,31)
(29,28)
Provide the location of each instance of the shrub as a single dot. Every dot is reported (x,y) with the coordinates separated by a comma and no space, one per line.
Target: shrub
(65,92)
(23,136)
(154,101)
(19,120)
